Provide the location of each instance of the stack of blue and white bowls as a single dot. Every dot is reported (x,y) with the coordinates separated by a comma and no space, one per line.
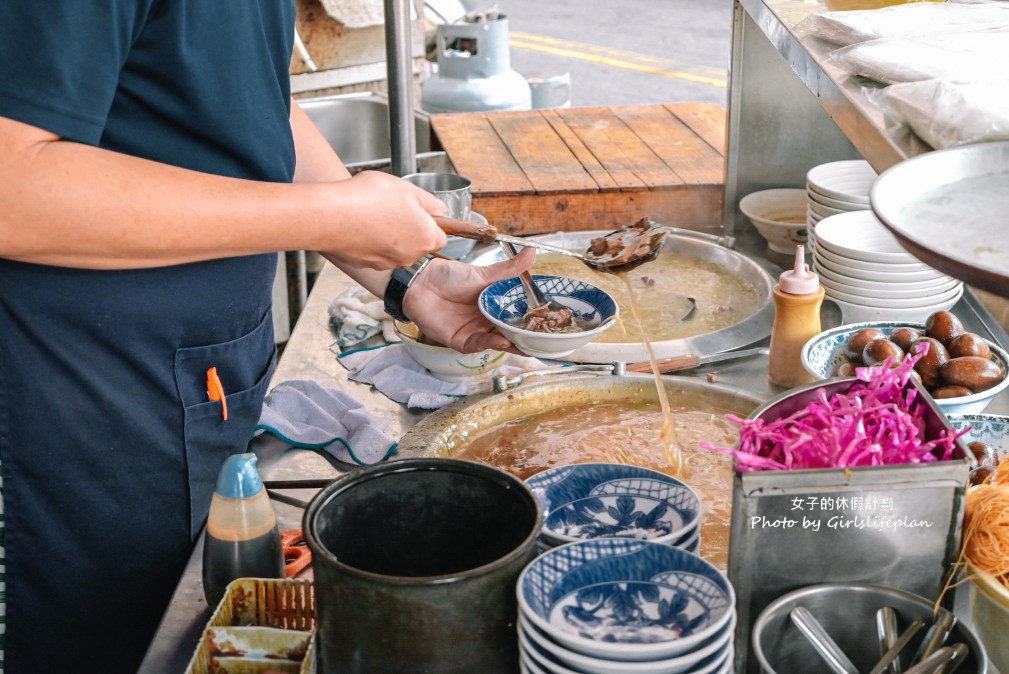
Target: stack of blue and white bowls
(622,606)
(620,588)
(594,500)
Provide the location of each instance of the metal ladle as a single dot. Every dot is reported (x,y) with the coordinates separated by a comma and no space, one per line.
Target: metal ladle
(639,246)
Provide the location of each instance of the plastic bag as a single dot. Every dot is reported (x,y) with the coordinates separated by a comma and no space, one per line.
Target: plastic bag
(961,57)
(916,18)
(945,114)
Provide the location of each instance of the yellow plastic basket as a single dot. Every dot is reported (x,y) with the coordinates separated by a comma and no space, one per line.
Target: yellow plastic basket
(281,604)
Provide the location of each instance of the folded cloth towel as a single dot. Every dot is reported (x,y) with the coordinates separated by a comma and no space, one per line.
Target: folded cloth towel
(359,315)
(391,370)
(306,414)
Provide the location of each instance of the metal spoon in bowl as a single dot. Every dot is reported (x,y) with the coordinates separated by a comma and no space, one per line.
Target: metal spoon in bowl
(534,296)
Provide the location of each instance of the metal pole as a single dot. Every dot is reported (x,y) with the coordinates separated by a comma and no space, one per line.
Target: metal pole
(399,66)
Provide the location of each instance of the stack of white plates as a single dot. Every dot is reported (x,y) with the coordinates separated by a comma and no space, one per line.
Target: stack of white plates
(871,277)
(837,187)
(619,606)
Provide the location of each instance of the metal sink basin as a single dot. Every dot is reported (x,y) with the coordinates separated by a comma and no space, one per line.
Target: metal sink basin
(357,126)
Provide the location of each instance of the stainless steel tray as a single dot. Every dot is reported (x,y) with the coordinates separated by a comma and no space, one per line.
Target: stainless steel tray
(757,326)
(948,209)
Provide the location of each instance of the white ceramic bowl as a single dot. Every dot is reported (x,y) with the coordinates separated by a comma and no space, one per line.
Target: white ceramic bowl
(779,215)
(575,594)
(859,312)
(840,204)
(445,363)
(859,235)
(822,354)
(823,211)
(885,288)
(876,300)
(707,658)
(504,304)
(882,274)
(848,180)
(852,312)
(909,265)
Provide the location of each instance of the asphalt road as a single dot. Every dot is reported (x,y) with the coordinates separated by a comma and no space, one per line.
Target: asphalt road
(624,52)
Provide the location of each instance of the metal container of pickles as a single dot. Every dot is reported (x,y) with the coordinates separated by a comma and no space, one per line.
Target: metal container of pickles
(897,526)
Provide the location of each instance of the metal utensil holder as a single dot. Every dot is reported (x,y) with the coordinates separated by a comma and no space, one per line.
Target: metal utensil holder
(897,526)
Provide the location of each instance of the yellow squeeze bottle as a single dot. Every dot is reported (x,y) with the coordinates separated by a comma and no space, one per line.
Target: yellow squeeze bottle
(797,299)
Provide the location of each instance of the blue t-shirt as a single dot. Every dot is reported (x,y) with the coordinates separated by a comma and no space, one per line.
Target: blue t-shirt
(200,84)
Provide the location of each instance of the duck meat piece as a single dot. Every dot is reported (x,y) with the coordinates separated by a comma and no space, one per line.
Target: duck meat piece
(548,319)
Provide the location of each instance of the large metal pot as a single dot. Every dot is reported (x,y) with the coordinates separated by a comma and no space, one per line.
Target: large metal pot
(415,564)
(446,431)
(753,328)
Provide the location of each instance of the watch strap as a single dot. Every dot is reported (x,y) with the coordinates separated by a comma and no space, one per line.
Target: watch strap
(400,281)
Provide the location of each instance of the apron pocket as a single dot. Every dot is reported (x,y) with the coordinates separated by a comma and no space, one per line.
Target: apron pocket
(244,366)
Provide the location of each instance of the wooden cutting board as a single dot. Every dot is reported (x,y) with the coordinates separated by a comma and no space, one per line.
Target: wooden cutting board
(539,171)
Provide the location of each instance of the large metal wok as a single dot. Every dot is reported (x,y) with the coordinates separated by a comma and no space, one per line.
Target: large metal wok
(751,329)
(448,430)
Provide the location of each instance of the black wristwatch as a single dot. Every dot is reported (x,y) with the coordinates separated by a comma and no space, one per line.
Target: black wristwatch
(401,280)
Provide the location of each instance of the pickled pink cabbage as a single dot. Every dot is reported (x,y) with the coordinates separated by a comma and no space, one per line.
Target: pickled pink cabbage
(875,423)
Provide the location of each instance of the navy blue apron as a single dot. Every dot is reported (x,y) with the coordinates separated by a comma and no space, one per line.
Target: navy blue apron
(110,446)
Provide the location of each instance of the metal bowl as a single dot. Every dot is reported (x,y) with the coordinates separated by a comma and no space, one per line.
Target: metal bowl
(847,612)
(755,327)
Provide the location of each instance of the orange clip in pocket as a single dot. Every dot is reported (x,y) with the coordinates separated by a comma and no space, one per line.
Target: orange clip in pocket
(215,391)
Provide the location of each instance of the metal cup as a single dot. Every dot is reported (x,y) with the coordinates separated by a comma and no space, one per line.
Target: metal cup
(451,188)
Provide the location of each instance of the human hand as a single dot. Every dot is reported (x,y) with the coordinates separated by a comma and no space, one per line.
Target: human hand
(392,223)
(443,302)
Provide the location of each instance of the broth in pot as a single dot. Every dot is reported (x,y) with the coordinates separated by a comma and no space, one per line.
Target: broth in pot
(723,299)
(537,427)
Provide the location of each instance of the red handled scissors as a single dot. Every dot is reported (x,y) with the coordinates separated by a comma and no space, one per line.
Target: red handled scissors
(296,552)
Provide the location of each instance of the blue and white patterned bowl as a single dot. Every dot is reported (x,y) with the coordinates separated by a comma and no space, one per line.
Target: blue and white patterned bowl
(615,500)
(625,515)
(712,657)
(991,429)
(824,353)
(504,304)
(625,600)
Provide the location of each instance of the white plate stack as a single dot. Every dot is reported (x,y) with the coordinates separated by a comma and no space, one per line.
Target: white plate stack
(870,276)
(837,187)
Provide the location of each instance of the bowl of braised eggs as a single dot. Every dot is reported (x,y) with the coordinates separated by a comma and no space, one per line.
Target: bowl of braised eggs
(961,370)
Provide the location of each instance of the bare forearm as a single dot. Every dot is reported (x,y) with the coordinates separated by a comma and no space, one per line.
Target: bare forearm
(318,162)
(70,204)
(74,205)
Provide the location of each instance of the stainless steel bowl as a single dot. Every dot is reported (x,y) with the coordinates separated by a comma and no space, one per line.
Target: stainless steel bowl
(847,612)
(755,327)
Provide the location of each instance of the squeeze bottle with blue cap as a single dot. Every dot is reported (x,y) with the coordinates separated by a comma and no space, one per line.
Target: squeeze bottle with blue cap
(242,538)
(797,300)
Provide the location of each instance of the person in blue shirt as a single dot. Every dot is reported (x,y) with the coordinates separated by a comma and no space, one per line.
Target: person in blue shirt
(152,162)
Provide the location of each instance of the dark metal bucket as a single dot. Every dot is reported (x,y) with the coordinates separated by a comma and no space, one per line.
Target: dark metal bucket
(415,563)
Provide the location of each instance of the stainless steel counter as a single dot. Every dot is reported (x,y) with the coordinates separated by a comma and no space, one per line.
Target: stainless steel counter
(311,354)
